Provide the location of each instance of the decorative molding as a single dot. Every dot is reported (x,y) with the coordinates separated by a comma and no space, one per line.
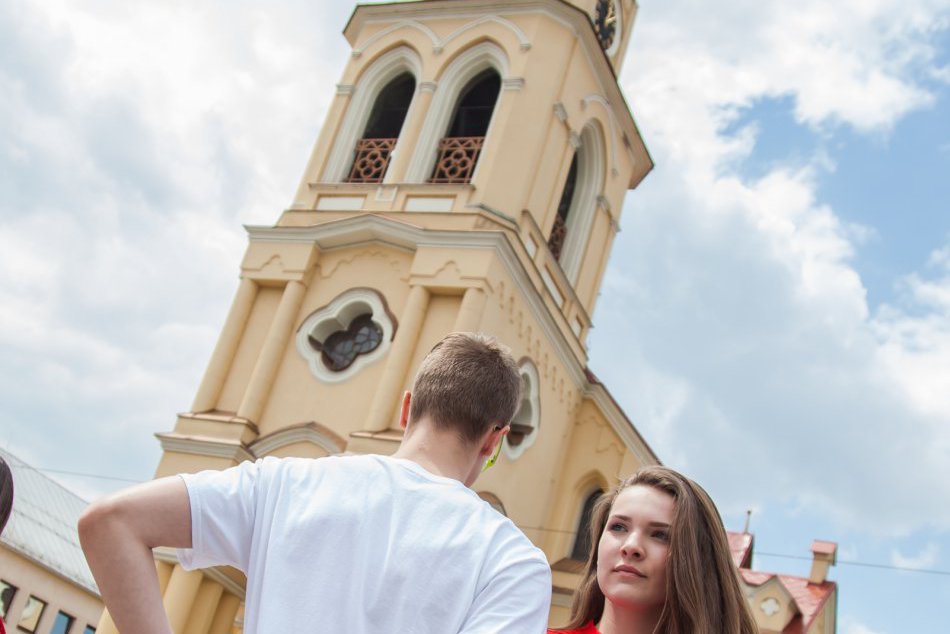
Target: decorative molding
(428,86)
(437,43)
(345,89)
(337,315)
(204,446)
(615,130)
(369,229)
(523,41)
(621,424)
(512,83)
(312,432)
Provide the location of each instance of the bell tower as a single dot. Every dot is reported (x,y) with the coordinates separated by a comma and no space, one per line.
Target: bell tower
(469,175)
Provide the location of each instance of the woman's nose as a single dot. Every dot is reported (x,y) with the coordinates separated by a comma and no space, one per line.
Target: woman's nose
(632,547)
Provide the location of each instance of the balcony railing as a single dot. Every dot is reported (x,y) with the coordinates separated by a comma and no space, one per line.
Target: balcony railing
(558,233)
(457,158)
(372,159)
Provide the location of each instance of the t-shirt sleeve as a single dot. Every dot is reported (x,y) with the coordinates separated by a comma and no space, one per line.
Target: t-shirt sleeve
(516,599)
(223,512)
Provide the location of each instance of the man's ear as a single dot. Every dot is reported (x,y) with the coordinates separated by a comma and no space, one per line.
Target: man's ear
(404,410)
(494,436)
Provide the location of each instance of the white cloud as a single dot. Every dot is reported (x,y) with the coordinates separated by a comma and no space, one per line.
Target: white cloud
(747,339)
(923,560)
(853,627)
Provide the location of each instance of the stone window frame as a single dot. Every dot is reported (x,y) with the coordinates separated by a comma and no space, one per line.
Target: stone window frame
(372,81)
(532,395)
(591,151)
(337,315)
(455,78)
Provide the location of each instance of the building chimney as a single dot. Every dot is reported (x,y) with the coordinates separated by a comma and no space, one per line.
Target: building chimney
(824,554)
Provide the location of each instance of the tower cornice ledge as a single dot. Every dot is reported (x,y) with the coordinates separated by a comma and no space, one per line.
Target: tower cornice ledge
(371,228)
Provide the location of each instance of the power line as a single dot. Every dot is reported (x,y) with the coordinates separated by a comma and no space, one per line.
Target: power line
(87,475)
(864,564)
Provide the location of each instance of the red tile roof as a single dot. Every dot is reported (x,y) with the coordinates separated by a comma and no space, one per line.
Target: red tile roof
(741,546)
(809,597)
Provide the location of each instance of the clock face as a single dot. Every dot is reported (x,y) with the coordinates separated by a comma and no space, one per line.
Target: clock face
(605,23)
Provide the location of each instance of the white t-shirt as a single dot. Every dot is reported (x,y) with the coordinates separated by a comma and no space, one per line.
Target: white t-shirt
(365,544)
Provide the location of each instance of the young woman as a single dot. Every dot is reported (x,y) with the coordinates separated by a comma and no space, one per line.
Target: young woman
(660,563)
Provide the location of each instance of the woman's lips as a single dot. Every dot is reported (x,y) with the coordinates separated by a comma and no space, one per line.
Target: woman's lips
(628,569)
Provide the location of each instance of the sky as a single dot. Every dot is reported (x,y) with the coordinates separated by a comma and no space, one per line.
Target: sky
(775,318)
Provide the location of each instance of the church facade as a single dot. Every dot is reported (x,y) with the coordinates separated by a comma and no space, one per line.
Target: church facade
(469,176)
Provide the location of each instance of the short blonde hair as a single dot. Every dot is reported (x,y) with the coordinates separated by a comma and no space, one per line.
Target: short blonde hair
(468,382)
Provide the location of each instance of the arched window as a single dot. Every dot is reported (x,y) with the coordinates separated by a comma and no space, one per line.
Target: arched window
(559,231)
(582,543)
(375,147)
(575,212)
(374,102)
(460,147)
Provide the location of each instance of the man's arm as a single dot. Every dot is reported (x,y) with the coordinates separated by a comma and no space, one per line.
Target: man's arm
(118,533)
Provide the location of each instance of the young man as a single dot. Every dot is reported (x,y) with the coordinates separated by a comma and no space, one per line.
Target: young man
(357,544)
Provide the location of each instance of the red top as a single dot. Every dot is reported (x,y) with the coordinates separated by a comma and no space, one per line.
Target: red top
(587,629)
(2,631)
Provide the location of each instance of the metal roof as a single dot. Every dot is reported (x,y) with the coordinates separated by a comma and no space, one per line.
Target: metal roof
(42,526)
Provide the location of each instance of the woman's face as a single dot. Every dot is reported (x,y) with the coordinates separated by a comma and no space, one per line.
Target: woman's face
(635,547)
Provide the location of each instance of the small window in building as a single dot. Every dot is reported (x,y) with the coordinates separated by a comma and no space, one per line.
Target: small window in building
(459,149)
(350,332)
(30,617)
(62,624)
(559,230)
(341,348)
(582,541)
(527,420)
(89,630)
(7,592)
(374,149)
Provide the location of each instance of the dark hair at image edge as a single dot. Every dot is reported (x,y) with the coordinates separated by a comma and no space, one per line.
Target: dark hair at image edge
(703,593)
(6,492)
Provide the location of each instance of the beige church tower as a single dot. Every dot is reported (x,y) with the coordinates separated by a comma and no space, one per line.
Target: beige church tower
(470,175)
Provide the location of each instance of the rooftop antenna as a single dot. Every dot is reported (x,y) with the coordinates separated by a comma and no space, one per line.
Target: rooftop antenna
(748,520)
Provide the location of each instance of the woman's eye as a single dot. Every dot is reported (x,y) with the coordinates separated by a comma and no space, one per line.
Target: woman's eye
(663,536)
(616,526)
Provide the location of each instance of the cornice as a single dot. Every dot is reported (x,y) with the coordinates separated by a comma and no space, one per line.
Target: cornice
(621,424)
(204,446)
(370,228)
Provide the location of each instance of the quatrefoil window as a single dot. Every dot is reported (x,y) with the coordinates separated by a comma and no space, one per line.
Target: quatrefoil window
(350,332)
(341,348)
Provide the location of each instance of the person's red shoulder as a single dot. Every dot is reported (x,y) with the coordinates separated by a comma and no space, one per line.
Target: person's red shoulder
(587,629)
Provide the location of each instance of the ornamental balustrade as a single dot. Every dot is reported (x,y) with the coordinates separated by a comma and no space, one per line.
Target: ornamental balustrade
(372,159)
(558,234)
(457,158)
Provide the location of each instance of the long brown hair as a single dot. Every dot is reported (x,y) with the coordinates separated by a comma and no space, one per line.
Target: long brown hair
(703,595)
